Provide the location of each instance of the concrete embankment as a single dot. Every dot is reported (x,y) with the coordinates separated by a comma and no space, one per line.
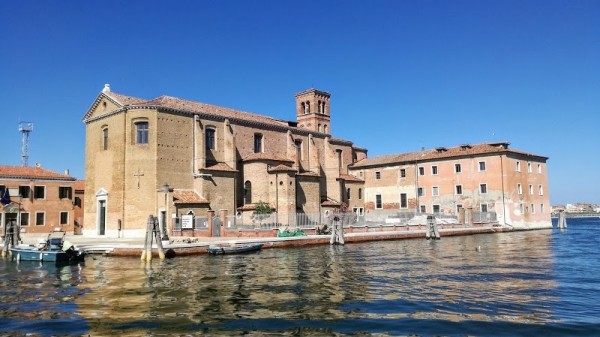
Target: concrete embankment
(180,246)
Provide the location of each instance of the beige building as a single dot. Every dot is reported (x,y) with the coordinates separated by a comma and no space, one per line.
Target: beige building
(41,200)
(168,157)
(488,182)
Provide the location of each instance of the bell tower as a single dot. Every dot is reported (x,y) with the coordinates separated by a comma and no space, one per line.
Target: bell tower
(312,110)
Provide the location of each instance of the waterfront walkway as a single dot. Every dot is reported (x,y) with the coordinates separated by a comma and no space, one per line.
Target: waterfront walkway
(199,245)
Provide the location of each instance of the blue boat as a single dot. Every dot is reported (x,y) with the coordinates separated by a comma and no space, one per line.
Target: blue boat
(54,250)
(235,249)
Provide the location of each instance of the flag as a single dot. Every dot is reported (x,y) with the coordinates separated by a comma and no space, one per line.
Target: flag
(5,197)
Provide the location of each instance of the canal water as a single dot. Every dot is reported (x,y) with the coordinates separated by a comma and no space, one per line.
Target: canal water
(534,283)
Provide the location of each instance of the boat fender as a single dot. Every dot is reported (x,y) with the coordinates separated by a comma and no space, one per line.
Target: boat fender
(66,245)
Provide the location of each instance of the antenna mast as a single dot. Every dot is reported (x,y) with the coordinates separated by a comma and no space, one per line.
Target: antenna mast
(25,128)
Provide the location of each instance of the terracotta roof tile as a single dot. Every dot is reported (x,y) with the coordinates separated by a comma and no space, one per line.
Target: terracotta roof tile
(218,167)
(281,168)
(31,172)
(330,203)
(440,153)
(350,178)
(188,197)
(124,100)
(182,104)
(266,156)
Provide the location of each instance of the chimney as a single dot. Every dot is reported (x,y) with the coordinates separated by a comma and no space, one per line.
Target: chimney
(106,88)
(67,172)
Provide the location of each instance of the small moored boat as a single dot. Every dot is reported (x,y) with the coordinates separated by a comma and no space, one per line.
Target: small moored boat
(54,250)
(235,249)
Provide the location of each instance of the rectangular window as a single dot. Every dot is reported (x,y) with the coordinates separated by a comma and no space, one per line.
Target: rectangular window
(435,191)
(348,194)
(39,192)
(64,218)
(542,208)
(421,192)
(518,166)
(377,175)
(65,192)
(258,140)
(522,208)
(484,208)
(481,166)
(25,192)
(458,208)
(483,188)
(421,171)
(532,207)
(141,132)
(459,189)
(436,208)
(519,189)
(378,204)
(530,189)
(298,144)
(24,219)
(402,173)
(434,170)
(539,168)
(540,190)
(457,168)
(40,218)
(105,139)
(529,167)
(423,209)
(403,200)
(210,138)
(360,193)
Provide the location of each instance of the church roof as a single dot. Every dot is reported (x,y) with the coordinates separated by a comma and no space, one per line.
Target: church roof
(266,156)
(350,178)
(31,172)
(281,168)
(187,197)
(218,167)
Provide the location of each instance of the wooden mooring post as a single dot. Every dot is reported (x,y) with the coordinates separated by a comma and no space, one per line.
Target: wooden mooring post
(11,237)
(337,231)
(562,220)
(152,232)
(432,228)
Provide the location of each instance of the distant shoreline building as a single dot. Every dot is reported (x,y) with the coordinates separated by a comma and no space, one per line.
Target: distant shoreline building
(170,157)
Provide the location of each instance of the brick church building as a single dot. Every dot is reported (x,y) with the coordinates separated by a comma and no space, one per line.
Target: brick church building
(169,156)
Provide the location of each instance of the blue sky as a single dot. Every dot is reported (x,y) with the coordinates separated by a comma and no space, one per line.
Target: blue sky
(402,74)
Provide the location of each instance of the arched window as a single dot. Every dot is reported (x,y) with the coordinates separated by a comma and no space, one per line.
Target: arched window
(307,108)
(325,128)
(105,138)
(247,192)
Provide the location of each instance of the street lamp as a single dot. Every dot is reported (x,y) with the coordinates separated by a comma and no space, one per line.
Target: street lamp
(165,189)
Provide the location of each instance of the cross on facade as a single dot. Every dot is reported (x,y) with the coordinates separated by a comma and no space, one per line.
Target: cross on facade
(138,175)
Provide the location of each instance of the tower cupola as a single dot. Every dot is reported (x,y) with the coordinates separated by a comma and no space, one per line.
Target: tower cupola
(313,111)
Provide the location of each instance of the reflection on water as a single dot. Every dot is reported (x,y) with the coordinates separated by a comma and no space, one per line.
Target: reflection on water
(390,288)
